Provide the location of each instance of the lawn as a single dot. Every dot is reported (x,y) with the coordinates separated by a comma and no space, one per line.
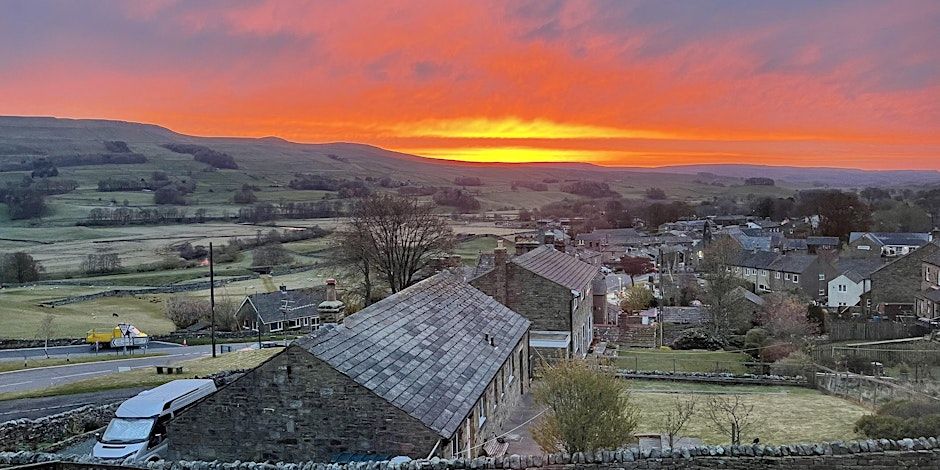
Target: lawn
(147,377)
(683,361)
(470,250)
(782,415)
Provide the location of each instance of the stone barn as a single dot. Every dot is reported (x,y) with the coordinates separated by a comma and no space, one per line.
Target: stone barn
(433,370)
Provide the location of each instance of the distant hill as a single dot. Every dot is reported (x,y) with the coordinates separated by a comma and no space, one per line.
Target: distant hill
(838,177)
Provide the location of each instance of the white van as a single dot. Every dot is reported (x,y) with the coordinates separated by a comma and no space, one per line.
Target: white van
(138,430)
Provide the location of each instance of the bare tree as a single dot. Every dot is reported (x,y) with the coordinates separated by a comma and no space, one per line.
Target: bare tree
(352,251)
(726,313)
(729,415)
(398,237)
(677,417)
(46,331)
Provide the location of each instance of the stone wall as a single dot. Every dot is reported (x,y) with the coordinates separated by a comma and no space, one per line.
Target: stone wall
(882,454)
(293,407)
(24,433)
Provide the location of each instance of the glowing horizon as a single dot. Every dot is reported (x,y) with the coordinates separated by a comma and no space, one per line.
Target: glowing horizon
(644,83)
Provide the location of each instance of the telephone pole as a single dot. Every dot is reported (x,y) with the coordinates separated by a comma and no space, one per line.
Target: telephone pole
(212,298)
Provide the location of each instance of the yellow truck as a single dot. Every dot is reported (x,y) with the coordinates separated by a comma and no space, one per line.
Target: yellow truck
(123,335)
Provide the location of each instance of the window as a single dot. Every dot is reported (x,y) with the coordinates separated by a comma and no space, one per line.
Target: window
(822,277)
(777,274)
(763,272)
(786,276)
(842,288)
(864,247)
(867,303)
(822,291)
(306,321)
(481,409)
(277,326)
(796,278)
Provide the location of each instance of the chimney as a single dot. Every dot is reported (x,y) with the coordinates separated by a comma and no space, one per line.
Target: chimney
(560,245)
(548,238)
(500,255)
(500,262)
(331,310)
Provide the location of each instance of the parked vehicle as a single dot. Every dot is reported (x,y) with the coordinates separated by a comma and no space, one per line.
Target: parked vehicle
(122,335)
(138,430)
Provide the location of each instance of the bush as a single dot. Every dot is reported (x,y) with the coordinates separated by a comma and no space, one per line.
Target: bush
(902,418)
(169,196)
(655,194)
(697,338)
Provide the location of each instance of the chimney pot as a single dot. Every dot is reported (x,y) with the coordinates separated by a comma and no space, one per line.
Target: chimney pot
(283,288)
(331,289)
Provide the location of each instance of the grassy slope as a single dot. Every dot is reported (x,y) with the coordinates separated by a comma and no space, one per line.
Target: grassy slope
(781,414)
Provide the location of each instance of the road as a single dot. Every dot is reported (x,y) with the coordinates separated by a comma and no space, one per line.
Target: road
(79,350)
(32,408)
(43,377)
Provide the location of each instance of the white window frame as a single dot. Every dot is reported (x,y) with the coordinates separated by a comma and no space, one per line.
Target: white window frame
(481,411)
(822,277)
(279,327)
(796,278)
(777,274)
(786,276)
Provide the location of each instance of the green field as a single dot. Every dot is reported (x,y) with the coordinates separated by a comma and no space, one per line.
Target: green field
(782,415)
(683,361)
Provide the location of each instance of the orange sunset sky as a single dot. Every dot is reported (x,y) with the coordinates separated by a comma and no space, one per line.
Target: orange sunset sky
(809,83)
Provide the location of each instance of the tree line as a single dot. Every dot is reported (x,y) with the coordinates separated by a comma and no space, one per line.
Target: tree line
(205,155)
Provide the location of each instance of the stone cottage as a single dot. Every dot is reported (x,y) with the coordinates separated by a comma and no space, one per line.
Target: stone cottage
(433,370)
(554,290)
(291,309)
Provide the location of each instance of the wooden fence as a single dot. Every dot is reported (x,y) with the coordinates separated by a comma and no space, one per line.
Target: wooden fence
(840,330)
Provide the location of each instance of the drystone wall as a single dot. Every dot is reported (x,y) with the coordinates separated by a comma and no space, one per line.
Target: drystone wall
(882,454)
(22,434)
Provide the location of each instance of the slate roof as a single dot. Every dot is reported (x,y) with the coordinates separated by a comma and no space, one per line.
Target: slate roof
(792,263)
(612,235)
(795,243)
(485,263)
(558,267)
(300,303)
(423,349)
(933,296)
(740,292)
(894,238)
(755,259)
(933,259)
(817,241)
(683,315)
(858,269)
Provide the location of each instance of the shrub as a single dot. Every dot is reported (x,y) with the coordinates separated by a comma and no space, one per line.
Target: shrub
(697,338)
(655,194)
(468,181)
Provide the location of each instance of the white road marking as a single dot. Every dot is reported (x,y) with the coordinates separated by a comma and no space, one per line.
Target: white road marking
(15,384)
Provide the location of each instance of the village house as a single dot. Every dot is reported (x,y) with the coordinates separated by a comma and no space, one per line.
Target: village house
(553,289)
(898,283)
(433,370)
(818,244)
(775,272)
(853,281)
(291,309)
(889,244)
(927,303)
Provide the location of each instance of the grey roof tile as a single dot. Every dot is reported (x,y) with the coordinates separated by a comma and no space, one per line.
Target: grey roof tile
(423,349)
(558,267)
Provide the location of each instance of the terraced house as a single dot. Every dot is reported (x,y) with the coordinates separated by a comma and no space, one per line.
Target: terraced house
(774,272)
(433,370)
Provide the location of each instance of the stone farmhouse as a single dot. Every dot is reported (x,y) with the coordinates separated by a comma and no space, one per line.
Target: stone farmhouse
(291,309)
(553,289)
(927,303)
(896,285)
(433,370)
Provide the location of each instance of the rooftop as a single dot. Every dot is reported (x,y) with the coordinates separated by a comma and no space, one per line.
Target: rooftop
(424,349)
(558,267)
(283,305)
